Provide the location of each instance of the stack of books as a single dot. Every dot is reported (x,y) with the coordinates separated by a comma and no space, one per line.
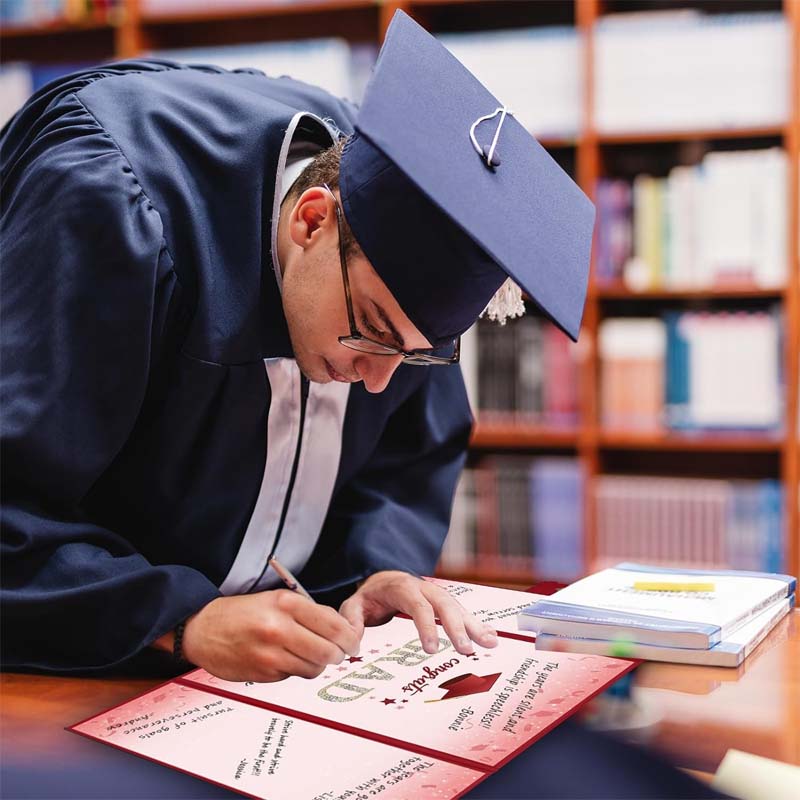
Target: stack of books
(689,617)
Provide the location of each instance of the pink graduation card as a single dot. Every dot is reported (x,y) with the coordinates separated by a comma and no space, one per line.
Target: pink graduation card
(268,755)
(404,723)
(478,711)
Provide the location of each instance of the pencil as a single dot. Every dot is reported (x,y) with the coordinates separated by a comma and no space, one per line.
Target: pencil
(286,576)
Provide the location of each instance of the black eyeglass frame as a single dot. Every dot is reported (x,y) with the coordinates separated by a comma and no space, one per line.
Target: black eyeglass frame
(356,340)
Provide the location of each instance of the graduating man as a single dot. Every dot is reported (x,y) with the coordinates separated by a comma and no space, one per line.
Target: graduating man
(231,311)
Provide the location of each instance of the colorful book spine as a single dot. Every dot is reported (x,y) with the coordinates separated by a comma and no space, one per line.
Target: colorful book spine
(692,371)
(521,515)
(719,223)
(689,522)
(525,372)
(652,71)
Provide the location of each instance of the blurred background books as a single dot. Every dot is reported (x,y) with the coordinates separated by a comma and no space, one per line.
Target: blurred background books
(669,433)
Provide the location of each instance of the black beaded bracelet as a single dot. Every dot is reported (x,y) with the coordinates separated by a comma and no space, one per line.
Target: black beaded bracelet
(177,643)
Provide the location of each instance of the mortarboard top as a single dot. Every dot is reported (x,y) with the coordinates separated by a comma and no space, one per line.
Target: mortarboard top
(441,228)
(468,684)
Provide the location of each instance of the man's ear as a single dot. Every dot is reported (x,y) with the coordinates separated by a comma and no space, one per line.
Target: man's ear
(312,214)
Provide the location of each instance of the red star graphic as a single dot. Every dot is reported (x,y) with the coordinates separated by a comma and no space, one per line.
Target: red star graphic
(353,659)
(387,701)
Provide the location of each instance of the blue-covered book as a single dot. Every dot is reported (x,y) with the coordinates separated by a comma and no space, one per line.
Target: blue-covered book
(730,652)
(607,605)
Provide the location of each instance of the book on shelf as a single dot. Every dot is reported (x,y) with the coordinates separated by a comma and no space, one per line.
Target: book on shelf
(652,72)
(405,721)
(47,12)
(514,513)
(720,223)
(632,352)
(331,63)
(730,652)
(608,605)
(525,371)
(701,523)
(535,72)
(697,523)
(692,371)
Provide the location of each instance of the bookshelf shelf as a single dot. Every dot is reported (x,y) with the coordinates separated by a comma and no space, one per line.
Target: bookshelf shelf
(55,28)
(691,442)
(522,436)
(712,293)
(268,9)
(761,132)
(555,143)
(61,41)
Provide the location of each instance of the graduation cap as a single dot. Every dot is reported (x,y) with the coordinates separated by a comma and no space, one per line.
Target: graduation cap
(464,685)
(449,196)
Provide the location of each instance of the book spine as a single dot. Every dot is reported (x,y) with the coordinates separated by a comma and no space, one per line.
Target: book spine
(733,625)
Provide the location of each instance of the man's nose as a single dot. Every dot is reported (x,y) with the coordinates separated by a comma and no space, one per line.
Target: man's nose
(376,371)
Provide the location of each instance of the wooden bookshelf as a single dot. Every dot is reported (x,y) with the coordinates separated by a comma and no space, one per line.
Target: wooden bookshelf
(54,28)
(135,32)
(686,136)
(732,292)
(517,436)
(692,442)
(234,10)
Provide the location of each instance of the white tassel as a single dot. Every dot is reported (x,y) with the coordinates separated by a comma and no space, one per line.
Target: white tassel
(506,303)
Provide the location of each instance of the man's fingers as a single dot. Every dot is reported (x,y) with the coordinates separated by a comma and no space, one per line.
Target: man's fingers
(323,621)
(461,626)
(287,664)
(452,618)
(308,646)
(353,611)
(421,611)
(478,631)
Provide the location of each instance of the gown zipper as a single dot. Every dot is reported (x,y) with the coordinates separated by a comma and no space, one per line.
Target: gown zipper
(304,389)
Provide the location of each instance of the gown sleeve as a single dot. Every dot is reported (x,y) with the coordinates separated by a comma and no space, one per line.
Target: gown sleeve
(86,284)
(394,514)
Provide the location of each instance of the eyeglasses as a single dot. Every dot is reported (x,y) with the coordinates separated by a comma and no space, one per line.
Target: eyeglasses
(448,354)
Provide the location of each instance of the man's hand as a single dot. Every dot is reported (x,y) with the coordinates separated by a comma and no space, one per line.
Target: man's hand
(267,637)
(385,593)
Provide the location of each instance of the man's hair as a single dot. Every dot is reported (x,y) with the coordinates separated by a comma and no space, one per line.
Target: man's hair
(325,169)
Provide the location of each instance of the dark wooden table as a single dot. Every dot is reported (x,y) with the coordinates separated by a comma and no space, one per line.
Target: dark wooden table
(703,712)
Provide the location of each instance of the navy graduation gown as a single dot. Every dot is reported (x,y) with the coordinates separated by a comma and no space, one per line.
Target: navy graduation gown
(158,443)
